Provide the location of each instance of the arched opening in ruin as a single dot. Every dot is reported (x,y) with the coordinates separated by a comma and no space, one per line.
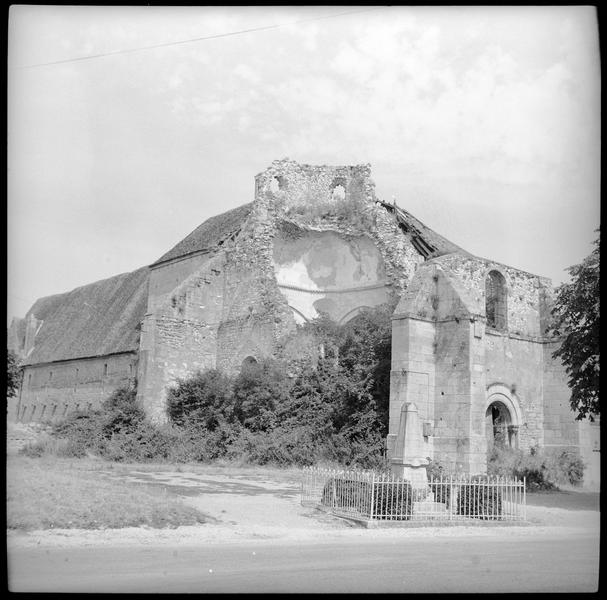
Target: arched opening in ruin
(352,314)
(338,192)
(277,183)
(496,300)
(501,427)
(249,361)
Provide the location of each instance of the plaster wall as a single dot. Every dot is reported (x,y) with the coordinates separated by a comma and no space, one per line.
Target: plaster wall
(322,271)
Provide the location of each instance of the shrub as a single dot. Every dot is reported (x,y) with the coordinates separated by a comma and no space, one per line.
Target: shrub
(83,431)
(544,470)
(564,467)
(259,389)
(391,499)
(121,412)
(204,399)
(49,445)
(479,499)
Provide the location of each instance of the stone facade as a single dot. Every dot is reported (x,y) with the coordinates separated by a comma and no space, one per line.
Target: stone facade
(468,377)
(316,239)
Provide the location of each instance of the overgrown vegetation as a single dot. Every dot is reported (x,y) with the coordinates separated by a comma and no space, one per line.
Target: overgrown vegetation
(332,407)
(13,374)
(576,316)
(542,470)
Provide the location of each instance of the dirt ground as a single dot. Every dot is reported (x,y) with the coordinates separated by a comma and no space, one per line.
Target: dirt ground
(248,505)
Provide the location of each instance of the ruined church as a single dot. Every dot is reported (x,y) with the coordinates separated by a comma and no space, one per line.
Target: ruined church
(469,344)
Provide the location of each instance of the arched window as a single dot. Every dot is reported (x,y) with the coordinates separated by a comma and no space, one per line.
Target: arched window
(249,361)
(277,184)
(496,300)
(338,189)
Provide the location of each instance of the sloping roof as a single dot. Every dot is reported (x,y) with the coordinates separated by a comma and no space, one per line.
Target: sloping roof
(212,233)
(15,335)
(426,241)
(93,320)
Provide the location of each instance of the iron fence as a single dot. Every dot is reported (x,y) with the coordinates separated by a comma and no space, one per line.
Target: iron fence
(373,496)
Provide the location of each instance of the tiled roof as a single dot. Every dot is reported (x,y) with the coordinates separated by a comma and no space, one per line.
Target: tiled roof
(93,320)
(211,234)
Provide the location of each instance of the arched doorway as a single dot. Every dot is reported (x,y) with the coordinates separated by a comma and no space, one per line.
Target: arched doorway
(501,423)
(503,416)
(498,420)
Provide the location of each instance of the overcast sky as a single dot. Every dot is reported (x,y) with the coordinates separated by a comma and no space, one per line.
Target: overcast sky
(484,123)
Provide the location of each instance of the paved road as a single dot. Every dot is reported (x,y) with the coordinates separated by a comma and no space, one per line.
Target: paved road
(550,563)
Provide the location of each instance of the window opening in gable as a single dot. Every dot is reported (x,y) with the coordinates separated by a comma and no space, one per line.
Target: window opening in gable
(277,183)
(496,304)
(338,189)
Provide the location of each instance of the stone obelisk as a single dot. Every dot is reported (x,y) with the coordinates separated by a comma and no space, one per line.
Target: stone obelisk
(408,460)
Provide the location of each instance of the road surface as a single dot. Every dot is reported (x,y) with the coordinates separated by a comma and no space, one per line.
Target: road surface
(472,563)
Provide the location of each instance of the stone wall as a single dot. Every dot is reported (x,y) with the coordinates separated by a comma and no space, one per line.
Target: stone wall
(53,390)
(559,426)
(470,365)
(518,363)
(309,226)
(525,292)
(179,336)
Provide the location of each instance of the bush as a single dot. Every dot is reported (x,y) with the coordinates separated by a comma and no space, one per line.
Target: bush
(204,399)
(49,445)
(83,432)
(544,470)
(391,500)
(258,391)
(121,412)
(477,499)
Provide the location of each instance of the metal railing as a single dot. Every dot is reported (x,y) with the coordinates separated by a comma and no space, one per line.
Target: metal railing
(373,496)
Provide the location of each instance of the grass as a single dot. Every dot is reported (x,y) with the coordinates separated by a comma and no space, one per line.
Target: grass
(569,500)
(48,493)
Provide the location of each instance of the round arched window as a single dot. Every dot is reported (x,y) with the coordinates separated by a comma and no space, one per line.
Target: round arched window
(496,304)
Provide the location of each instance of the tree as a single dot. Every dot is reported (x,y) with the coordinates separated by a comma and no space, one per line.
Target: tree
(13,374)
(576,315)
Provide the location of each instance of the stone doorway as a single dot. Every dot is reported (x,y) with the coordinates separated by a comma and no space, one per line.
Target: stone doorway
(499,427)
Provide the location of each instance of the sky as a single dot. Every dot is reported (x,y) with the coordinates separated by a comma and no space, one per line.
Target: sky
(130,126)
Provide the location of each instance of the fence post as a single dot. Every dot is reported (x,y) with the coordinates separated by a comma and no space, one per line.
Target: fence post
(372,495)
(451,499)
(524,498)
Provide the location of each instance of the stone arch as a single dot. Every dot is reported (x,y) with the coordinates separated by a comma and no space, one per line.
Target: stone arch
(248,361)
(277,184)
(496,300)
(300,318)
(503,416)
(338,188)
(353,313)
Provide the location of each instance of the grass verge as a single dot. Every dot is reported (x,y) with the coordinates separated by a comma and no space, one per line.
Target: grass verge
(67,493)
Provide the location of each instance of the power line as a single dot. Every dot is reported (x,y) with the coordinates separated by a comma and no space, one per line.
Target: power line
(193,40)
